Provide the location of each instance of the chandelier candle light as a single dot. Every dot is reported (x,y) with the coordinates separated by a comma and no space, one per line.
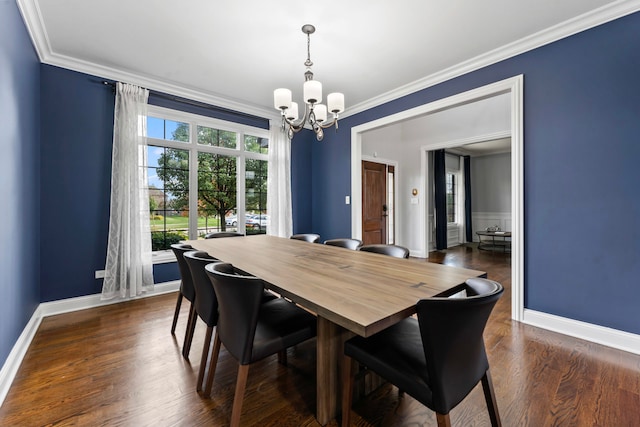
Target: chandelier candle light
(315,113)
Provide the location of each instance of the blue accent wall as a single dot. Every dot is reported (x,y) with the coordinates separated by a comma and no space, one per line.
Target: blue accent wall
(581,150)
(301,189)
(193,107)
(77,132)
(19,182)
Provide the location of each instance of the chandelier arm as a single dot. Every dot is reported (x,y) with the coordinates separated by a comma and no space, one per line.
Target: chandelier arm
(326,125)
(299,124)
(296,126)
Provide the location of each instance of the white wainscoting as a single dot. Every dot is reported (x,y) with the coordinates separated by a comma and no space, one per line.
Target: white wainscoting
(479,220)
(454,236)
(482,220)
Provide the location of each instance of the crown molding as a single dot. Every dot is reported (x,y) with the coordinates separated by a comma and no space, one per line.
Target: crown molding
(35,26)
(30,11)
(158,85)
(565,29)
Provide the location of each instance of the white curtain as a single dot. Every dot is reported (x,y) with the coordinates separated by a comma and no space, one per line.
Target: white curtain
(129,269)
(279,183)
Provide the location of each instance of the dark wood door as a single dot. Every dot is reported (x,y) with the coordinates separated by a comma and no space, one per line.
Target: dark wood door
(374,199)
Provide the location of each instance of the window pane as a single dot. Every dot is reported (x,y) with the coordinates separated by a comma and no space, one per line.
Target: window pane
(256,196)
(451,197)
(216,191)
(168,174)
(167,129)
(216,137)
(256,144)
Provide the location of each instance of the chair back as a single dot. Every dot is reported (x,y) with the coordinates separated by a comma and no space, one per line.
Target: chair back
(451,331)
(218,234)
(391,250)
(206,303)
(239,297)
(186,282)
(307,237)
(352,244)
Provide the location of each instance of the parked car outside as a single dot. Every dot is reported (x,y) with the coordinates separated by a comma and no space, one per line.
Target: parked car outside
(257,221)
(251,221)
(232,221)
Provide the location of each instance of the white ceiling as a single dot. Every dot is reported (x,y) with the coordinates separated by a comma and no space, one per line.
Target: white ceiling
(234,53)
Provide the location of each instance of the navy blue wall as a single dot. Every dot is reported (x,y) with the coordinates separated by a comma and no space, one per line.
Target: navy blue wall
(19,165)
(301,190)
(77,132)
(581,149)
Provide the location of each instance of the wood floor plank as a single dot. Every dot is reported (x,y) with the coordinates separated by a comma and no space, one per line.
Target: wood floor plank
(119,365)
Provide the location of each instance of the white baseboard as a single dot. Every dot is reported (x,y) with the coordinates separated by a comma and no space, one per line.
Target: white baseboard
(598,334)
(14,360)
(11,365)
(92,301)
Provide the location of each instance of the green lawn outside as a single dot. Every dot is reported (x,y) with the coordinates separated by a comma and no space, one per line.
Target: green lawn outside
(178,222)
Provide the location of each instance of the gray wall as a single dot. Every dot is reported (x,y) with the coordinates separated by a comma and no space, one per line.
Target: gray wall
(491,183)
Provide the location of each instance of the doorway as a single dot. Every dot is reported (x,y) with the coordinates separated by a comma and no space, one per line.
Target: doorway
(378,203)
(514,88)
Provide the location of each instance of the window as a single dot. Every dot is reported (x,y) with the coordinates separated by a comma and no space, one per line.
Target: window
(452,192)
(205,175)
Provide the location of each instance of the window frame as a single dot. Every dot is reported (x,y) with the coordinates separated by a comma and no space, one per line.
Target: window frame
(456,195)
(192,146)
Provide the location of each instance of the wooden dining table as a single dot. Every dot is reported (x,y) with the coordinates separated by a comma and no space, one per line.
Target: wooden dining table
(351,292)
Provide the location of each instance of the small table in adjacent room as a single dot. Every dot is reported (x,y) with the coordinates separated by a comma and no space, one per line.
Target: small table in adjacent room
(494,240)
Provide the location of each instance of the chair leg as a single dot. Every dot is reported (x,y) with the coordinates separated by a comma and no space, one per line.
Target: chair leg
(212,364)
(188,336)
(443,420)
(175,315)
(490,397)
(348,374)
(241,384)
(204,358)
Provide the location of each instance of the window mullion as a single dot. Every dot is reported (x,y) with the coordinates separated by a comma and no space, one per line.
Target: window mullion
(240,184)
(193,182)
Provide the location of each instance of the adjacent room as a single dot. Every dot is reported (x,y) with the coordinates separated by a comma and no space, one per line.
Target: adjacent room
(289,214)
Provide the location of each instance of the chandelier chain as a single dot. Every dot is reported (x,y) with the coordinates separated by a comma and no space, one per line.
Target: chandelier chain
(308,62)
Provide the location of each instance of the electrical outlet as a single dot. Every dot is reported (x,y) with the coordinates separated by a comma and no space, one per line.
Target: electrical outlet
(100,274)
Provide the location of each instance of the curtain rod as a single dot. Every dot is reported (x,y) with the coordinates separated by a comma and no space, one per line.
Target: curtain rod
(191,102)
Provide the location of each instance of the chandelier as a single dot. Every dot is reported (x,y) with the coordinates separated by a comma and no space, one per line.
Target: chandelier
(315,113)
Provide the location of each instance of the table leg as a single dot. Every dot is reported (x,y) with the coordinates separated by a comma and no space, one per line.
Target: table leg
(330,346)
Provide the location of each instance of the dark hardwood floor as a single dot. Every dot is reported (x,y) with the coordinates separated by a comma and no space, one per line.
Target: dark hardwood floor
(119,366)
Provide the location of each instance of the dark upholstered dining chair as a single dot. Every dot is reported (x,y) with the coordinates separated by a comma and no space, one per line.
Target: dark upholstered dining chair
(307,237)
(187,291)
(438,358)
(352,244)
(249,329)
(391,250)
(218,234)
(206,307)
(206,304)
